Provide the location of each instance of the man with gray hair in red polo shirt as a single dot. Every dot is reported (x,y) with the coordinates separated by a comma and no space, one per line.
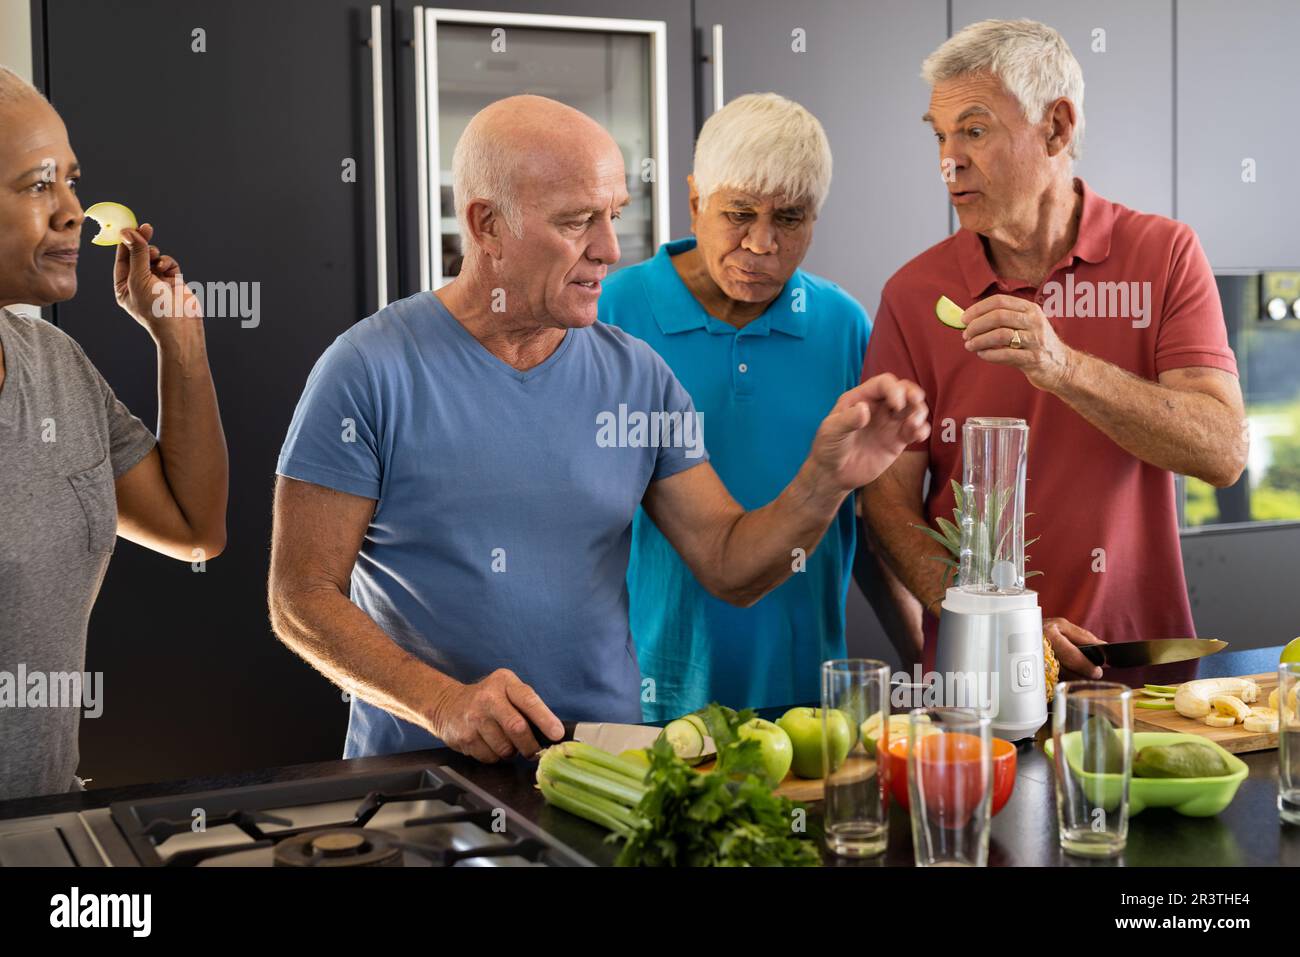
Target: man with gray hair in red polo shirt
(1099,325)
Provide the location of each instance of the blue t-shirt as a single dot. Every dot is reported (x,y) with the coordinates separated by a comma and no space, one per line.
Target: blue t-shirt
(762,390)
(504,501)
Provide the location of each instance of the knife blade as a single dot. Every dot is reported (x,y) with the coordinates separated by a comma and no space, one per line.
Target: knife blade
(1154,651)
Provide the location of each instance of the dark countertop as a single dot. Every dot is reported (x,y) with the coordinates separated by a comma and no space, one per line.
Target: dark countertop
(1248,832)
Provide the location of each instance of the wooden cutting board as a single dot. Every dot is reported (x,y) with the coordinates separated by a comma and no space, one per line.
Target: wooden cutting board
(809,790)
(1235,739)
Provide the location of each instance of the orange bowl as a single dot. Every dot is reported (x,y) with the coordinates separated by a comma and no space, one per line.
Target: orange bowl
(954,749)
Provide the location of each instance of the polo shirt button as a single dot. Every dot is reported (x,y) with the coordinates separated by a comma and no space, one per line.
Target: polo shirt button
(743,367)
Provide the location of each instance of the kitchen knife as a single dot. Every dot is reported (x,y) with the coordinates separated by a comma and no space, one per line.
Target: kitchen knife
(608,736)
(1157,651)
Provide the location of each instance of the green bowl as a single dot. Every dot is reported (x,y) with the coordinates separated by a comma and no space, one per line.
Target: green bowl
(1194,797)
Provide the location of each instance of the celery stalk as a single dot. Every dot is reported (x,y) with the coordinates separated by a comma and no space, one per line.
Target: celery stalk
(559,768)
(610,762)
(585,805)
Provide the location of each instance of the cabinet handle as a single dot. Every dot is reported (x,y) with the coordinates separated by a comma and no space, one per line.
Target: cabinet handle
(381,199)
(719,100)
(422,151)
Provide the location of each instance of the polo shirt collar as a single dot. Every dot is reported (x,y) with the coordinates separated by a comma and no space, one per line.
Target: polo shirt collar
(676,310)
(1096,223)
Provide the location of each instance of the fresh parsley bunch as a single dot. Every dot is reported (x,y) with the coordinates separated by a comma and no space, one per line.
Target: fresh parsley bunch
(728,817)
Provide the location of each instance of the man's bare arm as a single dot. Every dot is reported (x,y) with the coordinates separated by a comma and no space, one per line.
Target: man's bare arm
(892,505)
(739,556)
(1191,422)
(315,541)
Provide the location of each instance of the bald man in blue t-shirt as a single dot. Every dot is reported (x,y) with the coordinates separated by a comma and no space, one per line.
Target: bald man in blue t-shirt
(456,494)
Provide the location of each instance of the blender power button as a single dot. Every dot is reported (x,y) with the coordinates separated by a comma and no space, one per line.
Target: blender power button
(1024,674)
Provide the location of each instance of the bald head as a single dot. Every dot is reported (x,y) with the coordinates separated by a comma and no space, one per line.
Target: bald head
(14,89)
(520,146)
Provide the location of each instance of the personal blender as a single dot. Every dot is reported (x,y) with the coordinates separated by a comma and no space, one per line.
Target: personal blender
(990,650)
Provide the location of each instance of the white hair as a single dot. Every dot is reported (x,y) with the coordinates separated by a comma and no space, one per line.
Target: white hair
(482,167)
(14,88)
(764,143)
(1031,59)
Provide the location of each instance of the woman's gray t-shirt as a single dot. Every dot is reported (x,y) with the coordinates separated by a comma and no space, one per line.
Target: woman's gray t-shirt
(64,439)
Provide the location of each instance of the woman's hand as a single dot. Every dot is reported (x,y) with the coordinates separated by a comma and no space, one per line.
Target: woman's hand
(149,285)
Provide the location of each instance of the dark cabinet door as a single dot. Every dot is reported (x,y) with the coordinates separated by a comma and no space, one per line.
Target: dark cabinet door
(229,127)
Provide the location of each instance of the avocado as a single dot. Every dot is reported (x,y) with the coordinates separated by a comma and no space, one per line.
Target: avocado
(1187,759)
(1102,751)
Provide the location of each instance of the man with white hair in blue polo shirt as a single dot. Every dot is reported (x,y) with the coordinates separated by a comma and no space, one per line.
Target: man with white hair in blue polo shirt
(764,349)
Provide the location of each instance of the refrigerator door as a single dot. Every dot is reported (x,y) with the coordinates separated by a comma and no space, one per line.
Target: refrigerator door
(614,69)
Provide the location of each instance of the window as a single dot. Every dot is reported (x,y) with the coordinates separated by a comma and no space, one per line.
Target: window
(1263,316)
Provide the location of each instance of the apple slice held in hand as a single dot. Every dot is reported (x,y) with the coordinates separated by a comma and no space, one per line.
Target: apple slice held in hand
(112,219)
(949,313)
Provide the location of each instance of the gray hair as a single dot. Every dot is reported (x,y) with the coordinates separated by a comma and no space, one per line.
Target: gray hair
(766,143)
(14,88)
(482,167)
(1031,59)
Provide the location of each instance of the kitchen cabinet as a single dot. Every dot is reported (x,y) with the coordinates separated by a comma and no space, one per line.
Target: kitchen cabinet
(1238,138)
(856,67)
(1128,89)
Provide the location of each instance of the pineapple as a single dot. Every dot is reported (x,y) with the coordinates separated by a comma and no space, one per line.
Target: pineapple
(949,536)
(1051,668)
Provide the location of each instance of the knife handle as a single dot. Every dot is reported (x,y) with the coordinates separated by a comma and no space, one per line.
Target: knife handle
(1094,653)
(543,740)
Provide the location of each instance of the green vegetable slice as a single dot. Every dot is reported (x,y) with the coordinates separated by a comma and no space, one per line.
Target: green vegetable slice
(1154,704)
(686,738)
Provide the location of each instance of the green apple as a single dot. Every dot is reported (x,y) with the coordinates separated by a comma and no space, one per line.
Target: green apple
(897,731)
(1291,652)
(112,219)
(778,752)
(949,313)
(804,726)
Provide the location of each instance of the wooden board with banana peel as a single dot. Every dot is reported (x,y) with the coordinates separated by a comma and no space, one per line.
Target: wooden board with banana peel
(1235,739)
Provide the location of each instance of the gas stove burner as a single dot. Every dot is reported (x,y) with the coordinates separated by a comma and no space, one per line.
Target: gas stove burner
(339,847)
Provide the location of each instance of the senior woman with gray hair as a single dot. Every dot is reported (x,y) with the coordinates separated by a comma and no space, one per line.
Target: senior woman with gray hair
(1099,325)
(764,348)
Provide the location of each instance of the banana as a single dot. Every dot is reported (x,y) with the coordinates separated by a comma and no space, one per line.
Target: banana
(1230,705)
(1220,721)
(1192,699)
(1273,699)
(1262,721)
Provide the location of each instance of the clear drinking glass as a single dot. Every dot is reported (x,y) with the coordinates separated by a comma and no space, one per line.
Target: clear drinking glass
(856,807)
(1092,748)
(950,786)
(1288,742)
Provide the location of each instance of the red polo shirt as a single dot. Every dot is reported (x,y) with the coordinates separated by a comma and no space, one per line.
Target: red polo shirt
(1108,522)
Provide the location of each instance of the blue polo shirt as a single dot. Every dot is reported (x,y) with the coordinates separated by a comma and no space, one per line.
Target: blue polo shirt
(763,390)
(504,501)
